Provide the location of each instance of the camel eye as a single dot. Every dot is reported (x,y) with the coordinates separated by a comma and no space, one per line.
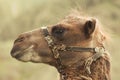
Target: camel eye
(58,31)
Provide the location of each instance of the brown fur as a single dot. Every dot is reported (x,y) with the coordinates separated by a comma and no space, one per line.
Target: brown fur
(76,31)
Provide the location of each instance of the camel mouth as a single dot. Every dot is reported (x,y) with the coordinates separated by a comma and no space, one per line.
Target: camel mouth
(21,53)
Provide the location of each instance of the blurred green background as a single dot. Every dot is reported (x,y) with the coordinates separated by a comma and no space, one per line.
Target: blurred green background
(17,16)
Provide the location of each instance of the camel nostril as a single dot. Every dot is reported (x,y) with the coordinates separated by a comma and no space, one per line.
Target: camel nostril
(20,39)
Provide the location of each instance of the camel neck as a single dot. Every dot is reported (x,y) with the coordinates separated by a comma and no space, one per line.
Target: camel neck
(75,73)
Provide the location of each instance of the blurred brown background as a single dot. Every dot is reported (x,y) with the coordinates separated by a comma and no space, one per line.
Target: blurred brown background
(17,16)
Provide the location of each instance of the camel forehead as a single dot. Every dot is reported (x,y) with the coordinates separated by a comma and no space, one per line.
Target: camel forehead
(74,20)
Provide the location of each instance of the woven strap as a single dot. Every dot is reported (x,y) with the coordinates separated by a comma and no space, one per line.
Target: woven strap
(98,51)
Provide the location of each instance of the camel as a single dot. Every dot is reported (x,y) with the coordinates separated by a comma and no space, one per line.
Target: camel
(74,46)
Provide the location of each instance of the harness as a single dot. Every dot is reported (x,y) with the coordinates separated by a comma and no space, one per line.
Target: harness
(55,48)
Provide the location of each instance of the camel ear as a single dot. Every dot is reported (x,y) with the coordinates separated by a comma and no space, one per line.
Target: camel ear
(89,27)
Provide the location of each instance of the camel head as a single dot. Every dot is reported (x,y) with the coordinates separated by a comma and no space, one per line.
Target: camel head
(71,31)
